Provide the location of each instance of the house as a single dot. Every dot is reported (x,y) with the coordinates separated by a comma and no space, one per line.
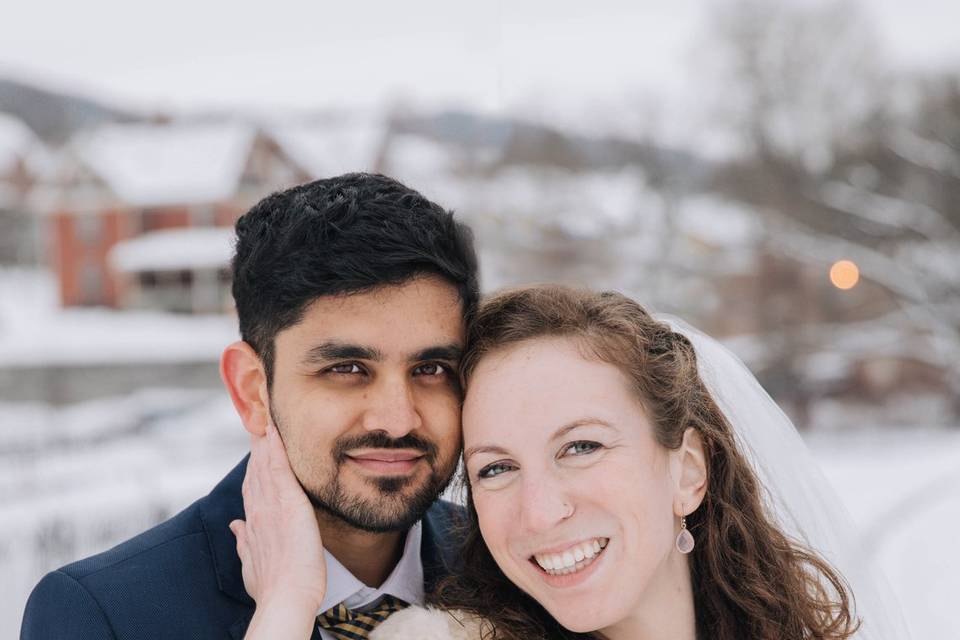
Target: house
(182,269)
(334,145)
(21,152)
(118,193)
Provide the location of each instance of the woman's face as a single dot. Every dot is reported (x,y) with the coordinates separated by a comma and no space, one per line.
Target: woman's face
(575,497)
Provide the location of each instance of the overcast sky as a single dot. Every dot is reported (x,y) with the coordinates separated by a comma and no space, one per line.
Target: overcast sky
(491,56)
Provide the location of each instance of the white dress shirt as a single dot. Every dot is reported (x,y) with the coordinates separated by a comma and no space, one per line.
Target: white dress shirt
(404,582)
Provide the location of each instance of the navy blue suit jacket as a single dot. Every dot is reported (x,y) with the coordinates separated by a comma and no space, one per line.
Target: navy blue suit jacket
(180,579)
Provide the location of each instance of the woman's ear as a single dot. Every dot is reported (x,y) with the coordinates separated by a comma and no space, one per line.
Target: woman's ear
(243,374)
(690,473)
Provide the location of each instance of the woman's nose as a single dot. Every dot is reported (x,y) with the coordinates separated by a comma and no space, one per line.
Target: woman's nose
(544,503)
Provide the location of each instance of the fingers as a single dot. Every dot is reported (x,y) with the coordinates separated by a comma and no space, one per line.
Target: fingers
(278,461)
(259,465)
(239,529)
(269,481)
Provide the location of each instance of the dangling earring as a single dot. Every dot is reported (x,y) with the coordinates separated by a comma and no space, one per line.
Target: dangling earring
(685,538)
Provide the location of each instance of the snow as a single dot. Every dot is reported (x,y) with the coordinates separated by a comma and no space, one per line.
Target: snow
(96,336)
(77,480)
(34,331)
(827,366)
(582,205)
(413,158)
(16,139)
(719,223)
(899,487)
(153,165)
(327,149)
(172,249)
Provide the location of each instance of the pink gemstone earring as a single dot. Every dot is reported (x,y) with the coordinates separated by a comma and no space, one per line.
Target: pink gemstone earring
(685,542)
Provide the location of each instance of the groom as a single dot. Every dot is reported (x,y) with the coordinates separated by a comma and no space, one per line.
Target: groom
(351,295)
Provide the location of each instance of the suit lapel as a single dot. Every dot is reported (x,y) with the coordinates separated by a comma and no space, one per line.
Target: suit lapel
(220,508)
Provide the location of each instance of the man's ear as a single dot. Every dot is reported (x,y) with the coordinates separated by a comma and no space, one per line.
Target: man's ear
(690,473)
(246,380)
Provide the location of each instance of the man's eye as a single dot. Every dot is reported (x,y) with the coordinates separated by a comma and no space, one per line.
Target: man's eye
(581,447)
(430,369)
(493,470)
(345,368)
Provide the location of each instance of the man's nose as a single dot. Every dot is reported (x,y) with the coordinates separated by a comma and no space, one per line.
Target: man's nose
(544,502)
(393,408)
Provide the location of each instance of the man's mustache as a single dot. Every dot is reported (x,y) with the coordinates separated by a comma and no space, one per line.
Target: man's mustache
(380,440)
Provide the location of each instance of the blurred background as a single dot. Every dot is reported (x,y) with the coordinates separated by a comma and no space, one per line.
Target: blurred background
(784,175)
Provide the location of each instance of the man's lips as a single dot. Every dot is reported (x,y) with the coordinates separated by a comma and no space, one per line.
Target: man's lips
(386,461)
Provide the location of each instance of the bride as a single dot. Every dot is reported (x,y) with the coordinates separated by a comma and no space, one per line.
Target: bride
(628,478)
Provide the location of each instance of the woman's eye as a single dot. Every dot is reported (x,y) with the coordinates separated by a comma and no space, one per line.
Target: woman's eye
(430,369)
(345,368)
(493,470)
(581,447)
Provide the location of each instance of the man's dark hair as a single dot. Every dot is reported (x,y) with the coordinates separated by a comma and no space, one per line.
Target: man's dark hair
(340,235)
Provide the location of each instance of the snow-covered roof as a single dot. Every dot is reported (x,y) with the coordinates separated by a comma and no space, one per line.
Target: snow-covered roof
(174,249)
(327,149)
(412,156)
(153,165)
(16,140)
(581,204)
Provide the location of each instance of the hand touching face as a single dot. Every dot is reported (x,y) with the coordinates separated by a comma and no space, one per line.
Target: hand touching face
(279,542)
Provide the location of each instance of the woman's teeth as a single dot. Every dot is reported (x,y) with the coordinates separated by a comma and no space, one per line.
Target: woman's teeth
(573,559)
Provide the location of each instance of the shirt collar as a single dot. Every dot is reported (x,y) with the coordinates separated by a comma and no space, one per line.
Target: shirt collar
(404,582)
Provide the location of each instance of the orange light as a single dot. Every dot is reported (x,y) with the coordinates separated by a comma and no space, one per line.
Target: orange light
(844,274)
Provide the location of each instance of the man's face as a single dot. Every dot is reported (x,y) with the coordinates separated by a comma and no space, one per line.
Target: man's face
(365,396)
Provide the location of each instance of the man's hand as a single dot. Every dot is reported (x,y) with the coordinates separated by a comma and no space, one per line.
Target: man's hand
(279,543)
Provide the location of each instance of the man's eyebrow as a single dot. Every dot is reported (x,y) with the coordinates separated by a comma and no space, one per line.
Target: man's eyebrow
(449,352)
(327,351)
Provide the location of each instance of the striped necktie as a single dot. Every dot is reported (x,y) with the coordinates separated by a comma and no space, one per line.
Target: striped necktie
(344,624)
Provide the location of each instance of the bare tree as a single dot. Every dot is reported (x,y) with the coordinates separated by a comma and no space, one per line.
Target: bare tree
(844,170)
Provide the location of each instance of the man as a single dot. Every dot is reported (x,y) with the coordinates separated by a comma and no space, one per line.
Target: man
(351,295)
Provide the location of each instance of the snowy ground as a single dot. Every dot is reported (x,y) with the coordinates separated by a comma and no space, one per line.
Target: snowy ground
(77,479)
(35,331)
(900,488)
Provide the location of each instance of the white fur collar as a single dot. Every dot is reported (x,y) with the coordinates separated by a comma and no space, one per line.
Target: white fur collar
(418,623)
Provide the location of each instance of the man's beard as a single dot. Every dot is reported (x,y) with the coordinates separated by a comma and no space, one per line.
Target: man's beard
(393,510)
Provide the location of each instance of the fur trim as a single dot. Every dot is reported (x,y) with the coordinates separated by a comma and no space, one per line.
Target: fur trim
(418,623)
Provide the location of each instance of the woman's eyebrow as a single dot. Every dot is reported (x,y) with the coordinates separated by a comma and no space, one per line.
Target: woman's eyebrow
(483,448)
(580,422)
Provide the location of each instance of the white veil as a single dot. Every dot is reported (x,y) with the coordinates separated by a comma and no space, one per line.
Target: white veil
(798,495)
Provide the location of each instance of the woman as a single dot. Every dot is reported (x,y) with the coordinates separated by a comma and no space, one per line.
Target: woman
(607,495)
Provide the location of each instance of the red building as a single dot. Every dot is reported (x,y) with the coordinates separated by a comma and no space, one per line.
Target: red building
(113,188)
